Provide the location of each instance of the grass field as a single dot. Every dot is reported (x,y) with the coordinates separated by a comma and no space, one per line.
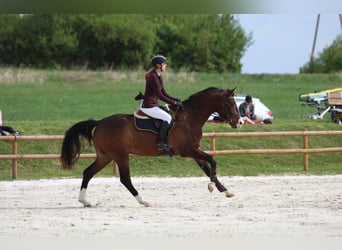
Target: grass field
(48,102)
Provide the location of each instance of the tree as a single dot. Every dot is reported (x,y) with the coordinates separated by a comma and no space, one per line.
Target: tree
(328,61)
(208,43)
(36,40)
(8,24)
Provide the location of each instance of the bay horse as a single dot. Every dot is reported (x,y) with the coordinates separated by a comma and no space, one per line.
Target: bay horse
(115,138)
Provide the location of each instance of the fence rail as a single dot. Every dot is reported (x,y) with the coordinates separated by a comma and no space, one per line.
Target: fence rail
(15,156)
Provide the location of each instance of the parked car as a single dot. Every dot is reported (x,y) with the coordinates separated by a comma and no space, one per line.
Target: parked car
(261,109)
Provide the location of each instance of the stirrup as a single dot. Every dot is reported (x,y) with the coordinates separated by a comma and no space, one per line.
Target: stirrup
(164,146)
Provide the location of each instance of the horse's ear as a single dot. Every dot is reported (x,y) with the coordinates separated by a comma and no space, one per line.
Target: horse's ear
(231,91)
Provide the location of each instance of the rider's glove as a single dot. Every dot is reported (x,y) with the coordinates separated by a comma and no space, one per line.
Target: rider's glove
(179,104)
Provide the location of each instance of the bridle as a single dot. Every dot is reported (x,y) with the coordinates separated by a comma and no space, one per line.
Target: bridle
(229,117)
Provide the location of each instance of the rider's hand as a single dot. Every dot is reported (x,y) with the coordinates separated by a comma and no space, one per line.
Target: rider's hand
(179,104)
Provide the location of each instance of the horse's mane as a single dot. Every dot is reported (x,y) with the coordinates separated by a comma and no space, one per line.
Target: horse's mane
(205,91)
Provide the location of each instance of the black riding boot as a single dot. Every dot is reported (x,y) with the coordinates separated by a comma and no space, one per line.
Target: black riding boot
(163,137)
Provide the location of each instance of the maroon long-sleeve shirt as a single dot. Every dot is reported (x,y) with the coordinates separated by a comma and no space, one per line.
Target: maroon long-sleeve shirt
(154,90)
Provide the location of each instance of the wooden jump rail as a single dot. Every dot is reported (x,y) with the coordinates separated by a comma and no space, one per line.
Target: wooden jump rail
(305,150)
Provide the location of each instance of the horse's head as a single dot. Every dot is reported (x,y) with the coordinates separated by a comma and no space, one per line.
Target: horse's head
(229,110)
(199,106)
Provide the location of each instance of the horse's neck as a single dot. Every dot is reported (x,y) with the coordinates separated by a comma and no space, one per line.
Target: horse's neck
(204,107)
(196,115)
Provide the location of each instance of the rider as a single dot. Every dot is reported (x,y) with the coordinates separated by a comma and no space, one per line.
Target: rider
(154,90)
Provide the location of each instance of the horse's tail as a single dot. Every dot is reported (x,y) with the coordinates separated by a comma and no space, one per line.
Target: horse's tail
(71,147)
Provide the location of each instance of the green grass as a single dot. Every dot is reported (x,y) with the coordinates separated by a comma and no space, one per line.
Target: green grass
(48,102)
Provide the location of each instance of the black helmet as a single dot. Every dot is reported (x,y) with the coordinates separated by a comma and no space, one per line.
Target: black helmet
(158,59)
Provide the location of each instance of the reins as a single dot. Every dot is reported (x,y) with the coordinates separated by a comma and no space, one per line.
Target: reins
(204,113)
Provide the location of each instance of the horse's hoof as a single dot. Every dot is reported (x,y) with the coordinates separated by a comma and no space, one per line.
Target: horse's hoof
(141,201)
(211,187)
(146,204)
(85,203)
(229,194)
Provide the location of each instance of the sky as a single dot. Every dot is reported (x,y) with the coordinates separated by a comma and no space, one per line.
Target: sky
(282,43)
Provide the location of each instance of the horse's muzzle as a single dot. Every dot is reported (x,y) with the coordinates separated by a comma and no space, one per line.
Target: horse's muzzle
(238,124)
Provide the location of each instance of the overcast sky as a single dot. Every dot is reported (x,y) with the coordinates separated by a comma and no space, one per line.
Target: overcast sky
(282,43)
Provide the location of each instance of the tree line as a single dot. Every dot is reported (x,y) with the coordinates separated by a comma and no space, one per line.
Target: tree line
(207,43)
(328,61)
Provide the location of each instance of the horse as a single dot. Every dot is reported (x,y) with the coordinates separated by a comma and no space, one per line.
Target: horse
(115,137)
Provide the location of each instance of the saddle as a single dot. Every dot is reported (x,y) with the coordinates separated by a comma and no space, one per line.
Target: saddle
(146,123)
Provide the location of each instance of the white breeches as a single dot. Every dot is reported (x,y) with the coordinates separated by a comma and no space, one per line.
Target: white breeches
(157,113)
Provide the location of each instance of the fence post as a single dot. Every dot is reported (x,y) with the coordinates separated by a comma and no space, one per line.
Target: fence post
(306,155)
(14,161)
(212,143)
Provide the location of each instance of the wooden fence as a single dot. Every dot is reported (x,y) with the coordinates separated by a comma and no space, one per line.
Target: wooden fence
(305,150)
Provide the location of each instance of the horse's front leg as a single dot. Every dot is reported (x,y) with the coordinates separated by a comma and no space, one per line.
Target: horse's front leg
(203,160)
(214,180)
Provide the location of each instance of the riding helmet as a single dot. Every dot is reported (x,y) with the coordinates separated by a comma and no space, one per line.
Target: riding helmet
(158,59)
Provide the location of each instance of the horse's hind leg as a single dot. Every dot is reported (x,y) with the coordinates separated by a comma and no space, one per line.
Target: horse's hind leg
(125,179)
(89,173)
